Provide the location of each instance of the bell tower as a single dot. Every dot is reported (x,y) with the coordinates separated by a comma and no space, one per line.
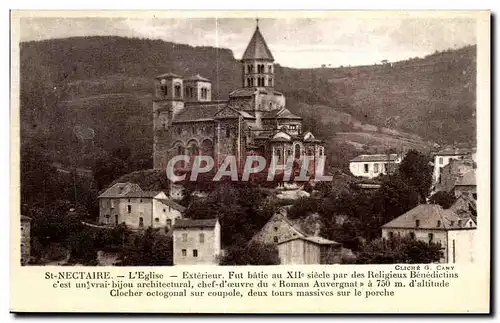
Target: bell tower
(257,63)
(167,104)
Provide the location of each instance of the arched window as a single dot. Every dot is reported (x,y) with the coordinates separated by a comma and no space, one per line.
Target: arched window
(177,90)
(270,68)
(270,81)
(278,153)
(297,151)
(180,150)
(228,132)
(309,152)
(163,87)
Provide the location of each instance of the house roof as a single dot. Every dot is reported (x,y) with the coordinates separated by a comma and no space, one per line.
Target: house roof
(468,179)
(144,194)
(25,218)
(198,223)
(120,189)
(428,216)
(173,205)
(454,151)
(168,76)
(465,206)
(313,239)
(257,48)
(196,77)
(375,158)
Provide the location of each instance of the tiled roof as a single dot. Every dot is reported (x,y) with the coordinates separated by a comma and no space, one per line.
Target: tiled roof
(280,114)
(168,75)
(468,179)
(375,158)
(465,206)
(198,113)
(199,223)
(313,239)
(286,114)
(455,151)
(243,92)
(173,205)
(196,77)
(428,216)
(120,189)
(145,194)
(280,139)
(25,218)
(257,48)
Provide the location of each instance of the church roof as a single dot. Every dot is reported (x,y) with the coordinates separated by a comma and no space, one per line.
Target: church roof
(204,112)
(168,76)
(280,114)
(257,48)
(244,92)
(197,77)
(207,112)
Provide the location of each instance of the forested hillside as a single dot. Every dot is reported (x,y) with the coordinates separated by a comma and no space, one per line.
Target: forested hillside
(105,83)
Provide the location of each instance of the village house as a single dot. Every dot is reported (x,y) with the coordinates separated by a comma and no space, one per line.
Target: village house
(451,174)
(196,242)
(371,166)
(253,121)
(127,203)
(431,223)
(25,239)
(465,206)
(444,156)
(298,241)
(466,184)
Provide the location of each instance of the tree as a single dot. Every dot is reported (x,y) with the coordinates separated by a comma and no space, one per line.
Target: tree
(394,198)
(400,250)
(445,199)
(254,254)
(303,207)
(82,248)
(416,170)
(148,248)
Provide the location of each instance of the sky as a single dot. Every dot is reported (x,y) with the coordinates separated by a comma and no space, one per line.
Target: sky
(294,42)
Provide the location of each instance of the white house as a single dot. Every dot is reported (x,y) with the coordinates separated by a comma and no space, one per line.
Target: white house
(196,242)
(431,223)
(443,157)
(127,203)
(371,166)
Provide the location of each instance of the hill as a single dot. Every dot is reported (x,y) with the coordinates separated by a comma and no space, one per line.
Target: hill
(105,83)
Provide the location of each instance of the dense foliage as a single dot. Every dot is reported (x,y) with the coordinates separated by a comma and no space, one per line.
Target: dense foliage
(400,250)
(445,199)
(254,254)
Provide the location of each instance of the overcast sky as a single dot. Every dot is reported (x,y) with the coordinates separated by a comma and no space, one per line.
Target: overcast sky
(296,42)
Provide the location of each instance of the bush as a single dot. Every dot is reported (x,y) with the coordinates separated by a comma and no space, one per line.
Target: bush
(254,253)
(400,250)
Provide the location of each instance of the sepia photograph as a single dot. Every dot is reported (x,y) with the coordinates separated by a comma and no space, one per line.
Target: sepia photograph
(151,141)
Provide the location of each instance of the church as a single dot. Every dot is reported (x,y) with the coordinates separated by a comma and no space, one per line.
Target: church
(253,120)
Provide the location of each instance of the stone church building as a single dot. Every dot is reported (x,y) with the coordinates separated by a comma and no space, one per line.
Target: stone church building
(254,119)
